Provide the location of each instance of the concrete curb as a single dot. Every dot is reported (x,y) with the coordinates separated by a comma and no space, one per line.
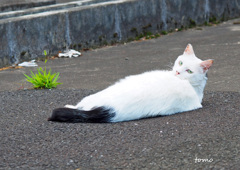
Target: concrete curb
(26,37)
(6,6)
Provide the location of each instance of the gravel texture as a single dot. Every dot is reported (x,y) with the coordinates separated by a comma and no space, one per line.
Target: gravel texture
(29,141)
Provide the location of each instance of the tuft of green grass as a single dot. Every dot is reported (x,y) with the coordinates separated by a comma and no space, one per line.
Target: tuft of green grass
(212,19)
(164,32)
(157,35)
(138,37)
(43,79)
(192,23)
(148,35)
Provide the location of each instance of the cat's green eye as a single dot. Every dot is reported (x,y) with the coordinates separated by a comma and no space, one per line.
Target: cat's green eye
(180,63)
(189,71)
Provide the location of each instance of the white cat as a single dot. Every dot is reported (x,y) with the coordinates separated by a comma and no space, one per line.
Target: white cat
(149,94)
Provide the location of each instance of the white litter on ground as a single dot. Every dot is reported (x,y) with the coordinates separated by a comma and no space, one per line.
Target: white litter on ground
(31,63)
(69,53)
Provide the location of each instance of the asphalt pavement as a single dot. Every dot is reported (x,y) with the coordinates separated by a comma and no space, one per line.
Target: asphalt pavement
(207,138)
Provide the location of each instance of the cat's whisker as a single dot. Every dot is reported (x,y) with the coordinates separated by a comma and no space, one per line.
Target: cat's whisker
(170,65)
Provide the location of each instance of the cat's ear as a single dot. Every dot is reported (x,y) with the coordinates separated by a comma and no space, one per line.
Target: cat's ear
(206,64)
(189,50)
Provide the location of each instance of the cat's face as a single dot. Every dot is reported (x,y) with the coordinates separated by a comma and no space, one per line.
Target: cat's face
(189,67)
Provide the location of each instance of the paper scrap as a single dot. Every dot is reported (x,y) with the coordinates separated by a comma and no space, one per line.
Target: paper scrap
(69,53)
(31,63)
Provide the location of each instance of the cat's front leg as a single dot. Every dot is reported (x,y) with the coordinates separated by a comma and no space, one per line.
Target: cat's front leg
(70,106)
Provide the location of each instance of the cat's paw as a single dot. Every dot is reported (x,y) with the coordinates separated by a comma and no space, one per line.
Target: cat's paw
(70,106)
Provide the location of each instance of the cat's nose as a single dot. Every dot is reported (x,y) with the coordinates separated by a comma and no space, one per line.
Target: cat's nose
(177,73)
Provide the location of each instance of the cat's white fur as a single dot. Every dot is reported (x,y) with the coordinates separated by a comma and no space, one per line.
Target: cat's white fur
(156,92)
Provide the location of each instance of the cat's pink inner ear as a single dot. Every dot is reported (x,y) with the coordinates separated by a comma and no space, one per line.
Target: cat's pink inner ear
(206,64)
(189,50)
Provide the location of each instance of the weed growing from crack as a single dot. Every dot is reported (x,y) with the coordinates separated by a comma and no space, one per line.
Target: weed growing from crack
(43,79)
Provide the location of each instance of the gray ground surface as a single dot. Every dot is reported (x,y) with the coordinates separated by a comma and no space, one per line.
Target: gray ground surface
(28,141)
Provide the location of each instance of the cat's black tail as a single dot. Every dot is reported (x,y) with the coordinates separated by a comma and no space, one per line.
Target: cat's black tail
(96,115)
